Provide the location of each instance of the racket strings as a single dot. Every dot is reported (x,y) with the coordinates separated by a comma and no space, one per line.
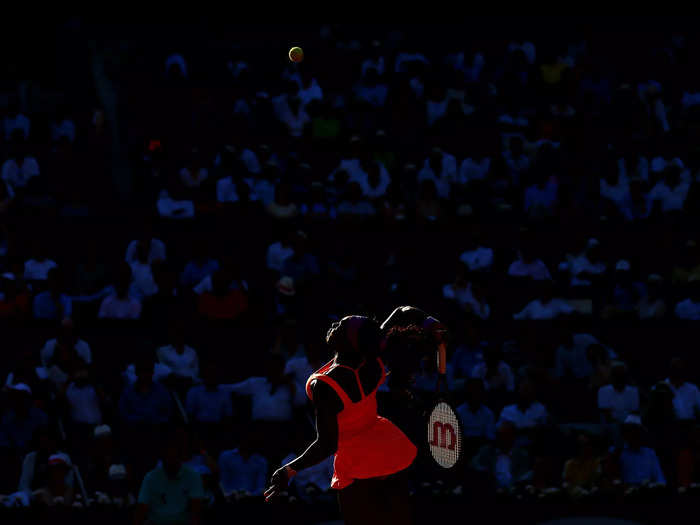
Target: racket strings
(444,435)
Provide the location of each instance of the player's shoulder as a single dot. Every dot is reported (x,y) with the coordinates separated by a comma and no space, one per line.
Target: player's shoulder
(325,394)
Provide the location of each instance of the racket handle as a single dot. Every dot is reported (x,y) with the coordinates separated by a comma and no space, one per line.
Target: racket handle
(441,383)
(442,359)
(441,367)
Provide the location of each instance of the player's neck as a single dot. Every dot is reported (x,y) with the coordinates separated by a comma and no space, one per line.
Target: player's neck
(353,361)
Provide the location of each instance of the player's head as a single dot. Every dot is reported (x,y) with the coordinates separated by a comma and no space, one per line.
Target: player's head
(355,336)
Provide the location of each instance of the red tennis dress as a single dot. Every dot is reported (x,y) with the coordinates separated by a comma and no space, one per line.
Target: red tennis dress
(369,446)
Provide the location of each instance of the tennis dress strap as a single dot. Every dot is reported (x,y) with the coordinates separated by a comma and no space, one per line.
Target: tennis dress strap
(357,376)
(381,364)
(335,386)
(383,378)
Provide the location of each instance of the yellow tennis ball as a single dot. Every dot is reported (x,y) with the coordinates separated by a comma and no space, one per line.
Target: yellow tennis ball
(296,54)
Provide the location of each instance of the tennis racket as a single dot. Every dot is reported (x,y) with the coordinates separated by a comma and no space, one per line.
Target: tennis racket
(444,431)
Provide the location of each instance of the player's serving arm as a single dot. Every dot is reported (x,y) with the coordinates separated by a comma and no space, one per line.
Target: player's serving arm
(408,316)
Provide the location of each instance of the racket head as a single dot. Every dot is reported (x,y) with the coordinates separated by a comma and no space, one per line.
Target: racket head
(444,434)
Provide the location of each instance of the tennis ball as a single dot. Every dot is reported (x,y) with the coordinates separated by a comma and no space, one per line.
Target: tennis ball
(296,54)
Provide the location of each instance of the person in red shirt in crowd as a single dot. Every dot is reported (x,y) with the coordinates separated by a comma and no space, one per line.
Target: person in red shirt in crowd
(228,298)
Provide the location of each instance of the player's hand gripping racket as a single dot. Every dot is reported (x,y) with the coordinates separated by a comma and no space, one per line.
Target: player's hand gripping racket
(444,431)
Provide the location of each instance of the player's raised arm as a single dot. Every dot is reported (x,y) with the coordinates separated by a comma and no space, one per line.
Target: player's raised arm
(401,330)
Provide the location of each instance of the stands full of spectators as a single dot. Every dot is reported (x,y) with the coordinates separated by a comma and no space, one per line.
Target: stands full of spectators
(179,226)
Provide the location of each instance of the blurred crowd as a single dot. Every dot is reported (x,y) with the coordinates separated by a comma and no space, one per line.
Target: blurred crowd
(530,193)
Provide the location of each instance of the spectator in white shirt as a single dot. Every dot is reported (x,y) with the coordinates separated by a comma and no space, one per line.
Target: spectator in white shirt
(155,248)
(462,291)
(405,59)
(292,114)
(527,49)
(37,268)
(471,71)
(476,256)
(526,266)
(200,266)
(282,207)
(299,368)
(672,190)
(272,404)
(63,361)
(83,400)
(527,413)
(262,187)
(279,251)
(441,168)
(16,121)
(354,207)
(546,307)
(474,169)
(229,275)
(689,309)
(371,90)
(633,165)
(541,197)
(478,423)
(686,396)
(617,400)
(272,396)
(636,204)
(52,303)
(376,182)
(243,471)
(179,357)
(505,464)
(572,355)
(208,403)
(653,304)
(436,104)
(143,282)
(194,173)
(229,191)
(172,208)
(586,266)
(375,60)
(63,128)
(614,185)
(650,93)
(317,207)
(354,167)
(515,158)
(309,91)
(251,161)
(67,338)
(19,169)
(161,373)
(120,304)
(496,374)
